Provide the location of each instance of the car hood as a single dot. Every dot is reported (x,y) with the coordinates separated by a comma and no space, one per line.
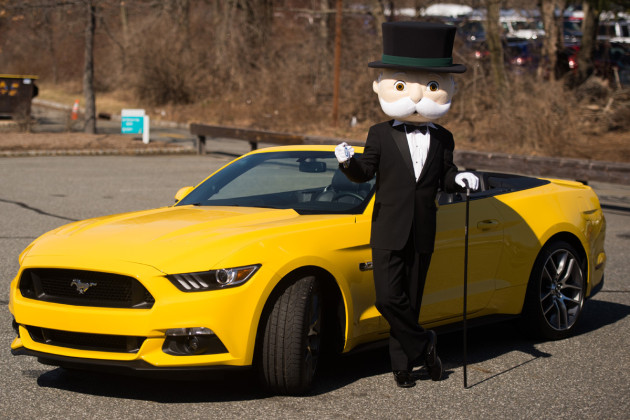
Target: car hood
(161,236)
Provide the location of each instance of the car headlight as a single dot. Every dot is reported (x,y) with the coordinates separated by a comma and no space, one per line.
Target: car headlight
(214,279)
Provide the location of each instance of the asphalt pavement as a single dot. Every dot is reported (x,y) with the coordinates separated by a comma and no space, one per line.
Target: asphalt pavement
(510,376)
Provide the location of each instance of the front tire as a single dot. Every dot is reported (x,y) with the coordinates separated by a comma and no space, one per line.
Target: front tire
(291,341)
(556,291)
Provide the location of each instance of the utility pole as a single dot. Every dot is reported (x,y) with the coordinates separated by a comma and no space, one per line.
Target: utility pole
(337,63)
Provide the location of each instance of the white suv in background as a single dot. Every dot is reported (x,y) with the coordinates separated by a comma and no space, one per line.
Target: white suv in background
(614,31)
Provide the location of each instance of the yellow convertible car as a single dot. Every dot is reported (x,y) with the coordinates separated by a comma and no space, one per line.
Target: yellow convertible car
(266,263)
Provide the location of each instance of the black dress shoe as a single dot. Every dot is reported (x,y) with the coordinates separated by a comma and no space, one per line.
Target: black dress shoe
(435,371)
(404,379)
(431,350)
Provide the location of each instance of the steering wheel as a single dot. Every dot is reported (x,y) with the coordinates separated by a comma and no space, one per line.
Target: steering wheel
(348,194)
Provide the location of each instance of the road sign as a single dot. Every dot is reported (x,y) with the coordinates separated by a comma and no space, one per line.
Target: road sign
(134,121)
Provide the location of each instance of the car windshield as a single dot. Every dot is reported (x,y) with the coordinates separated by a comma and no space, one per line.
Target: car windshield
(308,182)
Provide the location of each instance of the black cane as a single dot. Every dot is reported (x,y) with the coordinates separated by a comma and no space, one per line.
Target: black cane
(466,281)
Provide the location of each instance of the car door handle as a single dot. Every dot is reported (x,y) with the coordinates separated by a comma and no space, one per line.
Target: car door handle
(366,266)
(488,224)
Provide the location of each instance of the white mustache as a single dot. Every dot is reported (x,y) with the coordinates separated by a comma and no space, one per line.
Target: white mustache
(405,107)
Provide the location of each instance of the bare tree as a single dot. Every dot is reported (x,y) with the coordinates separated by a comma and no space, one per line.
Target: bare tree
(495,47)
(546,68)
(592,9)
(120,40)
(88,67)
(378,13)
(89,9)
(338,22)
(561,6)
(259,19)
(49,41)
(179,11)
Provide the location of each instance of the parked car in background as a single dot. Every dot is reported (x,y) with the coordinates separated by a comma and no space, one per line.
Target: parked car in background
(522,28)
(611,61)
(521,56)
(472,31)
(614,31)
(513,28)
(572,32)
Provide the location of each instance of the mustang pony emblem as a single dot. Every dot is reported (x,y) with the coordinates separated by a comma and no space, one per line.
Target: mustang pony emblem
(81,286)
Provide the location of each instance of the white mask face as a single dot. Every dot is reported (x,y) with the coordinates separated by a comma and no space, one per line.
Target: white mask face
(414,96)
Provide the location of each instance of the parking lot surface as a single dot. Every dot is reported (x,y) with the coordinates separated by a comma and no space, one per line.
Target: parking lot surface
(509,376)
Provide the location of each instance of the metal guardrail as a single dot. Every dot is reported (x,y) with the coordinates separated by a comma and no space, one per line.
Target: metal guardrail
(563,168)
(203,131)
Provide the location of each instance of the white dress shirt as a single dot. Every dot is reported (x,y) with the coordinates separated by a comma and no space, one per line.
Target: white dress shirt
(418,146)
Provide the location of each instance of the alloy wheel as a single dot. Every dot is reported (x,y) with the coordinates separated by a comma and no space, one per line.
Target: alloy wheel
(561,290)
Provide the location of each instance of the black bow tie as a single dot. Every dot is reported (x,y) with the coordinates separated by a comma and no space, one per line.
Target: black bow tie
(411,128)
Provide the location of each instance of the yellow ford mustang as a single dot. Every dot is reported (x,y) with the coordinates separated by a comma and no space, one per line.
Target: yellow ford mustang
(266,263)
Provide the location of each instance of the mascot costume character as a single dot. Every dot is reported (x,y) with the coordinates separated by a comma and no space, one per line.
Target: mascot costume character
(411,157)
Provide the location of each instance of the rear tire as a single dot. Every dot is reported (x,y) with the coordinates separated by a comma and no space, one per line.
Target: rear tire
(291,341)
(556,290)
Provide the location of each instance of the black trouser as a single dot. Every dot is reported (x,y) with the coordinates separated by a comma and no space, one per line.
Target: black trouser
(399,278)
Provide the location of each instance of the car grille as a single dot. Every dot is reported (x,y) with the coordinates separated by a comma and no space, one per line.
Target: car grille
(84,288)
(83,341)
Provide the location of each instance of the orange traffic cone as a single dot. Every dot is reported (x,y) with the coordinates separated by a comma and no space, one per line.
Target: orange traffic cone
(75,110)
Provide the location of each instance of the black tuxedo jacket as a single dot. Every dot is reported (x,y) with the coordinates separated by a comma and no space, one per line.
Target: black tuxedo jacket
(402,203)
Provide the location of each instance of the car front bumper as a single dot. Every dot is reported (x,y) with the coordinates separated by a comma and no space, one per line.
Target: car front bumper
(231,314)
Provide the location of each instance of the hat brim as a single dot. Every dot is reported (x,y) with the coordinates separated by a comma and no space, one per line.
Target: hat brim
(455,68)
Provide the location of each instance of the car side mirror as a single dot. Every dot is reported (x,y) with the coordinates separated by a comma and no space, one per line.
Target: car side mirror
(182,192)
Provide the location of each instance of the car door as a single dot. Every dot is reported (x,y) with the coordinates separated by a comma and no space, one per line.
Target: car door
(443,293)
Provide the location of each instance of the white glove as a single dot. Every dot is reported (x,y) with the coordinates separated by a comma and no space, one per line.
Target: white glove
(473,181)
(343,152)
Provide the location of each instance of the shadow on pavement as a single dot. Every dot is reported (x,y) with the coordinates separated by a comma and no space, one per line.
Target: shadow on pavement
(484,344)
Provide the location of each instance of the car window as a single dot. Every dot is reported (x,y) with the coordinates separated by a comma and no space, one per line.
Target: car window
(306,181)
(278,175)
(521,25)
(574,26)
(492,184)
(604,30)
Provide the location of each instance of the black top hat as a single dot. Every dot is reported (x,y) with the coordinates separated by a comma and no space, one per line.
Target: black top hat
(418,46)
